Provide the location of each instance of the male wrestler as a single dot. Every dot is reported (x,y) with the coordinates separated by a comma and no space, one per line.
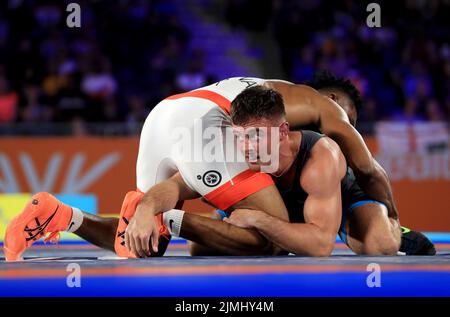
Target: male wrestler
(311,189)
(211,104)
(321,195)
(161,154)
(303,107)
(347,96)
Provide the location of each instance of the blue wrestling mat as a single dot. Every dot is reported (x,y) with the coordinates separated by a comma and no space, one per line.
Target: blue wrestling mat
(101,273)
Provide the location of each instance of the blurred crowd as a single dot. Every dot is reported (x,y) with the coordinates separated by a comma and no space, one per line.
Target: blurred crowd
(402,68)
(130,54)
(126,56)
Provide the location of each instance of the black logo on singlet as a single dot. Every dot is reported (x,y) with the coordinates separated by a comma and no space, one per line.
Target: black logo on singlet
(249,81)
(211,178)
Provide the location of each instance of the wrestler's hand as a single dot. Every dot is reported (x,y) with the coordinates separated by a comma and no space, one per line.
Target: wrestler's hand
(243,218)
(140,230)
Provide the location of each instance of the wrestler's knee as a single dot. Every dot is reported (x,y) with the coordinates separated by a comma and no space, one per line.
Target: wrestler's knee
(381,243)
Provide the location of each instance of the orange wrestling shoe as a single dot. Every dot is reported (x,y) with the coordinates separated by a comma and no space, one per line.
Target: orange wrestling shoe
(43,214)
(129,206)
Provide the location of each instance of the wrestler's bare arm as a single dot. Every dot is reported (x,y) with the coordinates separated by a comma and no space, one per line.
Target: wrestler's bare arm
(305,106)
(222,238)
(216,234)
(321,179)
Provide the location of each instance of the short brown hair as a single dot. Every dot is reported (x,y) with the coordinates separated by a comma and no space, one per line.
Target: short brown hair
(257,102)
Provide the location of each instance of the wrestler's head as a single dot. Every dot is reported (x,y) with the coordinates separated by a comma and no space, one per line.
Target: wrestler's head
(339,89)
(259,120)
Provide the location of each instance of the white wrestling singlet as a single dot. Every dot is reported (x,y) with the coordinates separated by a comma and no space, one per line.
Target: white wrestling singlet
(223,181)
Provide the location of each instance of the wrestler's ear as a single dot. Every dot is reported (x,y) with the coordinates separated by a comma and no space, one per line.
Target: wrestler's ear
(284,129)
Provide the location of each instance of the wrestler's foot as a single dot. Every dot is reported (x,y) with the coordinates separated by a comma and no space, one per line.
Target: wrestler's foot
(416,243)
(43,214)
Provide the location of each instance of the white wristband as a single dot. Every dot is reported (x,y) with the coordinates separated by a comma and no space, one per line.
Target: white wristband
(172,220)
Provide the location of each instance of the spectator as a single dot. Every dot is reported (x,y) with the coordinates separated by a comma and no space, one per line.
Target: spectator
(194,76)
(434,111)
(98,83)
(8,102)
(71,102)
(410,113)
(130,54)
(32,110)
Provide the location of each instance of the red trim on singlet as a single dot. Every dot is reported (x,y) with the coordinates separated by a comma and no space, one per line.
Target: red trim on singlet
(241,186)
(219,100)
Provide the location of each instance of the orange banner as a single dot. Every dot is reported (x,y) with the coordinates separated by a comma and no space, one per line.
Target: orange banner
(421,186)
(101,166)
(105,167)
